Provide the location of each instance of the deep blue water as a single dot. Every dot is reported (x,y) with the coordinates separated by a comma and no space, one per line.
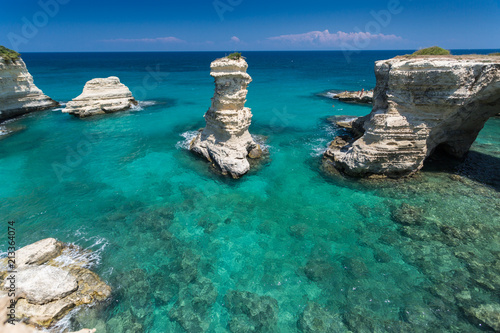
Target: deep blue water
(125,186)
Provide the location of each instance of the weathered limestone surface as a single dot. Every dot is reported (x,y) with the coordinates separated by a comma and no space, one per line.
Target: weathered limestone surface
(18,94)
(420,104)
(47,288)
(101,96)
(225,140)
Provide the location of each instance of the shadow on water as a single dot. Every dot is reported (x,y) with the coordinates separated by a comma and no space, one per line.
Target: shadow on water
(476,166)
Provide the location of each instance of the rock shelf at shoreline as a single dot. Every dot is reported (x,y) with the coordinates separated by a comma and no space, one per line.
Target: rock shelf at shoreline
(360,97)
(101,96)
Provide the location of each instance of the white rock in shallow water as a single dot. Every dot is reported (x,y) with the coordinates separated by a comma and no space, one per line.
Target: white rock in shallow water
(48,288)
(38,253)
(226,140)
(101,96)
(18,93)
(44,284)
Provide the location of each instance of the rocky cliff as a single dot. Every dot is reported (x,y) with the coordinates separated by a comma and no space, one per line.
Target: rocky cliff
(225,140)
(420,104)
(101,96)
(18,93)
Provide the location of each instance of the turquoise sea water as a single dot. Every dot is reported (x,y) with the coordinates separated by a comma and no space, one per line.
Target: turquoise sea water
(174,239)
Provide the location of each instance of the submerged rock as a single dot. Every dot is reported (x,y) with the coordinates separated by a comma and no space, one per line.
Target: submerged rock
(316,319)
(420,104)
(192,307)
(408,215)
(18,94)
(488,314)
(101,96)
(225,140)
(250,311)
(42,301)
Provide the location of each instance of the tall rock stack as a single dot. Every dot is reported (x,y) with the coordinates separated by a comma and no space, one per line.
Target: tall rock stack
(225,140)
(18,93)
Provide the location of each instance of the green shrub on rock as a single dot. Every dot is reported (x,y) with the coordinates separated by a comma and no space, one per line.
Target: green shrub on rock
(8,54)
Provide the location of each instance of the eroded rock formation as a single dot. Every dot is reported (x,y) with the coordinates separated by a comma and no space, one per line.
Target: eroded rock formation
(51,279)
(420,104)
(101,96)
(18,94)
(225,140)
(361,97)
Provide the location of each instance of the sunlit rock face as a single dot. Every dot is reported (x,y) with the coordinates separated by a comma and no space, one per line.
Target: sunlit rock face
(18,94)
(225,140)
(420,104)
(101,96)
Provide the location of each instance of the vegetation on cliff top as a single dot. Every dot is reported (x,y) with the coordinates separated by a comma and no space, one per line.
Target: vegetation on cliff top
(8,54)
(434,50)
(235,56)
(494,54)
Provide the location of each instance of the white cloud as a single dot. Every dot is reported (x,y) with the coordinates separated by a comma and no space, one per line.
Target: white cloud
(147,40)
(235,39)
(325,38)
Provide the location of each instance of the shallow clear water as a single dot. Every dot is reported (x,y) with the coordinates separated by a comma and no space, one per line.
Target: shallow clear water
(174,239)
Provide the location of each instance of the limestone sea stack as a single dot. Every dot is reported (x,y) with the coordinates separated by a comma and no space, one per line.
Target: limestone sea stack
(420,104)
(18,94)
(50,280)
(225,140)
(101,96)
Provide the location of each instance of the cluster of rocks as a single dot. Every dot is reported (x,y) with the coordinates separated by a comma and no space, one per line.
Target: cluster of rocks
(432,246)
(225,140)
(420,104)
(46,287)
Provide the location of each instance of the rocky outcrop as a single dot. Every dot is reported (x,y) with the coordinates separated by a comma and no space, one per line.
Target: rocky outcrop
(101,96)
(251,312)
(360,97)
(420,104)
(47,287)
(225,140)
(18,94)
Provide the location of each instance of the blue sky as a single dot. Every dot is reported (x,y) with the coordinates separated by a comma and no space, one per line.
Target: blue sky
(230,25)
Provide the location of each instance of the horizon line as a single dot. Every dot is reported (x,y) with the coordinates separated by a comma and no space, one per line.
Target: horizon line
(191,51)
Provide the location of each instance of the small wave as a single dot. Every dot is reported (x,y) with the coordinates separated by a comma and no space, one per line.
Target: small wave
(142,105)
(4,131)
(147,103)
(261,141)
(188,137)
(87,258)
(318,147)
